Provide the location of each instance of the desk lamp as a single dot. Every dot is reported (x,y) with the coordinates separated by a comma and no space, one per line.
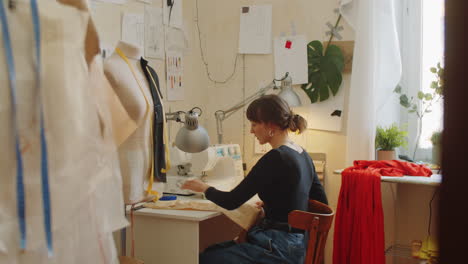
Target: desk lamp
(192,137)
(286,93)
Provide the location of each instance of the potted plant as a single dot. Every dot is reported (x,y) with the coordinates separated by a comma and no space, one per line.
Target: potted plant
(387,139)
(436,147)
(422,104)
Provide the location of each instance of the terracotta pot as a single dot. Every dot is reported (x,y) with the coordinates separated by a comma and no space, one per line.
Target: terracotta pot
(386,155)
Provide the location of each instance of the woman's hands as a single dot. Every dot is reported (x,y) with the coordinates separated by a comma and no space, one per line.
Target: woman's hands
(195,185)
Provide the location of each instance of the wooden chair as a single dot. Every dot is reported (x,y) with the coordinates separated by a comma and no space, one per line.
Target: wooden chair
(317,222)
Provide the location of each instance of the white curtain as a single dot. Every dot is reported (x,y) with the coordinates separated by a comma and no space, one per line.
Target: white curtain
(376,71)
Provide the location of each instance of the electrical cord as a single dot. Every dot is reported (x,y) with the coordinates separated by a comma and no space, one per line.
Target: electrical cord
(205,63)
(430,212)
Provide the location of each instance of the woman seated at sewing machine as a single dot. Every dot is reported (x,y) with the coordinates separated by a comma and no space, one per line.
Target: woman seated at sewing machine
(281,178)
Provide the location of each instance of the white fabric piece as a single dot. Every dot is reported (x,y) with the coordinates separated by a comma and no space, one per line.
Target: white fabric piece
(376,71)
(84,175)
(245,216)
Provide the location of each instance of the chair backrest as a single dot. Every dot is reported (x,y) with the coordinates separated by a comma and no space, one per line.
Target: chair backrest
(317,222)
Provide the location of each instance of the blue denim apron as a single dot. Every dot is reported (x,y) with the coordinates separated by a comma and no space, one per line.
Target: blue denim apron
(264,246)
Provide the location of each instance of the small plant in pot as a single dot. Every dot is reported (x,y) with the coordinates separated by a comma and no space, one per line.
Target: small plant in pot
(387,139)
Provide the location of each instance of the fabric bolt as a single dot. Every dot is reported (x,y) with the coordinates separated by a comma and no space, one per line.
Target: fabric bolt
(359,224)
(159,146)
(84,174)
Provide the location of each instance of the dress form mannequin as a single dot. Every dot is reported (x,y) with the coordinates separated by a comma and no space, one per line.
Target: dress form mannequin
(135,153)
(81,155)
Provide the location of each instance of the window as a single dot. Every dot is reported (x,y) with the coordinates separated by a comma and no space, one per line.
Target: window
(421,32)
(432,53)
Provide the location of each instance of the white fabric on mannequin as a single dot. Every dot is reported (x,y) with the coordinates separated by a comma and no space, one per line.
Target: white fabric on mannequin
(135,153)
(84,175)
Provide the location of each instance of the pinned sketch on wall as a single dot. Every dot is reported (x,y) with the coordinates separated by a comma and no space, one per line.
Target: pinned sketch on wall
(291,56)
(176,40)
(154,33)
(172,12)
(255,29)
(174,78)
(326,115)
(133,29)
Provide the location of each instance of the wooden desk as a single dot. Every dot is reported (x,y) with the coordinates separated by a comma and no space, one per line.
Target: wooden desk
(177,236)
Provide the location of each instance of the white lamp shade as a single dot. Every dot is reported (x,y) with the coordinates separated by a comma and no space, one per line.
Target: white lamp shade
(290,97)
(192,141)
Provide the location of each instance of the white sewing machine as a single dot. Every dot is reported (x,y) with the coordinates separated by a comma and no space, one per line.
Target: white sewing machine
(219,166)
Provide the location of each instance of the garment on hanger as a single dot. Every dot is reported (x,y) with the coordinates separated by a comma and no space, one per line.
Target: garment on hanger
(359,223)
(159,144)
(84,175)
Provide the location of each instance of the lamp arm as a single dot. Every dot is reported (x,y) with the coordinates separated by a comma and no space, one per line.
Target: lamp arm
(175,116)
(221,115)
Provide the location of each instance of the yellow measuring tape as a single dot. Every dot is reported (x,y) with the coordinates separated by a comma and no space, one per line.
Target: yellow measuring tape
(149,190)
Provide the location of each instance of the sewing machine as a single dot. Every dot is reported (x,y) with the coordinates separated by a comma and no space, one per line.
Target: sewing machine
(219,166)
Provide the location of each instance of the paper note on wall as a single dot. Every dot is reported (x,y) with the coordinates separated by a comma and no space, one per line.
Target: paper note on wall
(291,56)
(154,33)
(174,78)
(326,115)
(133,29)
(255,29)
(176,40)
(173,15)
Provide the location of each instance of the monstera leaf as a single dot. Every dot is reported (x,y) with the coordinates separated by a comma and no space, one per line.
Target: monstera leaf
(324,71)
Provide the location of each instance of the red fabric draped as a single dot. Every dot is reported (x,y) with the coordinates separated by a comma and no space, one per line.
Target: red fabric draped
(359,224)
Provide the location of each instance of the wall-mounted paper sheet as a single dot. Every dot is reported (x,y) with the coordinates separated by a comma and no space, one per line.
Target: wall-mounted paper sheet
(176,40)
(326,115)
(175,81)
(146,1)
(173,18)
(154,33)
(255,29)
(291,56)
(133,29)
